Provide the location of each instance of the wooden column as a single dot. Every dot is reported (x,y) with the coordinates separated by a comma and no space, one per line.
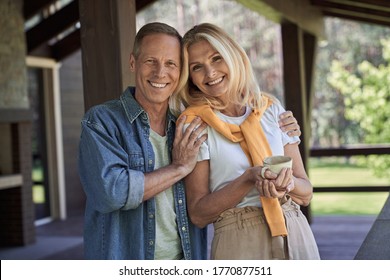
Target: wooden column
(310,53)
(298,64)
(107,34)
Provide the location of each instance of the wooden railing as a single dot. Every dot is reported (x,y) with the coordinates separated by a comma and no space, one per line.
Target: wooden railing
(352,150)
(376,244)
(11,181)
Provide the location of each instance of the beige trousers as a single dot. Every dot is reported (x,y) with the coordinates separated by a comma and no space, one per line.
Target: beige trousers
(300,240)
(243,234)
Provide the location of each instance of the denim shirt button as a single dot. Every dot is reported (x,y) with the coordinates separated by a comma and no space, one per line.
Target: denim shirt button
(150,161)
(183,228)
(151,242)
(180,201)
(151,216)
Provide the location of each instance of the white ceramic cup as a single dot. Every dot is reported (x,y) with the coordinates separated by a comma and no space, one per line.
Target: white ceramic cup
(277,163)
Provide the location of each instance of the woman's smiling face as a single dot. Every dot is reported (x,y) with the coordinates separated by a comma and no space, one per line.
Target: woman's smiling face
(208,70)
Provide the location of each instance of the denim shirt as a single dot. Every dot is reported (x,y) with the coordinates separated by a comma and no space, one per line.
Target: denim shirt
(114,154)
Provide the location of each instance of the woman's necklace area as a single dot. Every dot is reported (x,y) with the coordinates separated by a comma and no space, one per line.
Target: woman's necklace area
(234,112)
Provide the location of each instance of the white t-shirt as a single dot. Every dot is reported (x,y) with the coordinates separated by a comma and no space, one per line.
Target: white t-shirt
(227,159)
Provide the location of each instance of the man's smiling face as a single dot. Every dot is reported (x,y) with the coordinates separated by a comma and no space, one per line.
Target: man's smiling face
(157,69)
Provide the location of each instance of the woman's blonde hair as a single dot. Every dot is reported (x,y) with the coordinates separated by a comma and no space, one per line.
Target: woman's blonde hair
(243,87)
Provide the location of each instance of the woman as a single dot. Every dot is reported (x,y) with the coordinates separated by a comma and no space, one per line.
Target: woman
(226,184)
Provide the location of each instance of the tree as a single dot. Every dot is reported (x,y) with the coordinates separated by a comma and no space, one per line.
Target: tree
(367,102)
(349,42)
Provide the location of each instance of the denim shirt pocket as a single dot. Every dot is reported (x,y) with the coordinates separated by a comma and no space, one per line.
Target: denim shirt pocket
(136,161)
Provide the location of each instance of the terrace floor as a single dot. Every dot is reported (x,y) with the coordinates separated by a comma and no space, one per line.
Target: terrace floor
(338,238)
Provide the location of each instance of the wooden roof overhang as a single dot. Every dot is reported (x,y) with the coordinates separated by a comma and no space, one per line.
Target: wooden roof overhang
(57,34)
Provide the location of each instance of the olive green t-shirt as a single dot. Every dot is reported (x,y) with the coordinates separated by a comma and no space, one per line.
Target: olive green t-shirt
(168,245)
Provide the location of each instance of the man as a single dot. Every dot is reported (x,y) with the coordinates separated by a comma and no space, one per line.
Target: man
(129,160)
(132,157)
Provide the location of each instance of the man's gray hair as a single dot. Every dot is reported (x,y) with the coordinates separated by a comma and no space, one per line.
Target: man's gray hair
(154,28)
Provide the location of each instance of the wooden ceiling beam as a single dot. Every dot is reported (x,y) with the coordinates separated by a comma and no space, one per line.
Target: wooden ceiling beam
(71,43)
(368,3)
(65,47)
(52,26)
(140,4)
(348,8)
(31,8)
(356,17)
(301,12)
(368,11)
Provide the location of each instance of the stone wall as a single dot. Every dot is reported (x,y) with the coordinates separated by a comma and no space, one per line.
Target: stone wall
(13,77)
(16,206)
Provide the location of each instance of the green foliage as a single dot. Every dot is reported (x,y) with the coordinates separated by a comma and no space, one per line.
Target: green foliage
(348,203)
(350,43)
(367,102)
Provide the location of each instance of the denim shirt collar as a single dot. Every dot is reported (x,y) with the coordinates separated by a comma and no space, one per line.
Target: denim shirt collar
(134,110)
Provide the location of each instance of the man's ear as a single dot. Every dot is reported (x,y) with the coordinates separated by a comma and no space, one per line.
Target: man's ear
(132,63)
